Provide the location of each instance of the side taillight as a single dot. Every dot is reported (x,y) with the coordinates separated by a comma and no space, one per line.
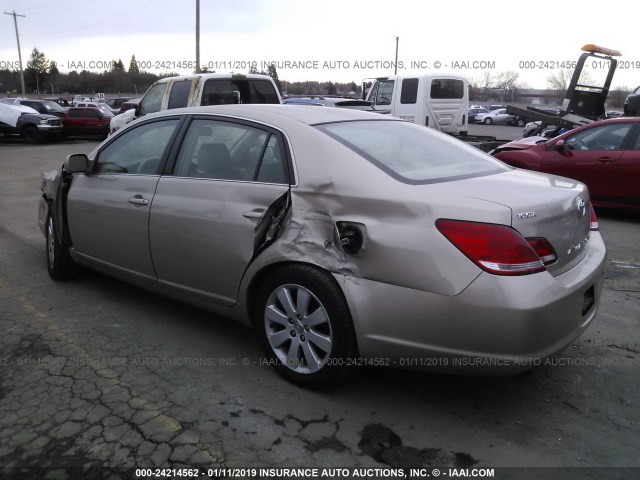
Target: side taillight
(497,249)
(595,226)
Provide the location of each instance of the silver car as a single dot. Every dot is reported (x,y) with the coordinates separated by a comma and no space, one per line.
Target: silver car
(495,116)
(344,237)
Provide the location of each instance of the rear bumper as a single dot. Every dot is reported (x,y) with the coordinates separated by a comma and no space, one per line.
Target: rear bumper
(497,325)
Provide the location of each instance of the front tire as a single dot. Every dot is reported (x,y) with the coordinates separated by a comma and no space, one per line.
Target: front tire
(60,265)
(488,121)
(305,327)
(32,135)
(520,123)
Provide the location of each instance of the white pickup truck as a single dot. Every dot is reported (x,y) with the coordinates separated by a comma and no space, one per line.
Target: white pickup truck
(199,90)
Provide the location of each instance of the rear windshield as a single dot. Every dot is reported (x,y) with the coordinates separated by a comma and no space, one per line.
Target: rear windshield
(238,90)
(412,153)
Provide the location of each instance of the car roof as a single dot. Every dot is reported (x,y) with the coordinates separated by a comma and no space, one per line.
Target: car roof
(206,76)
(275,113)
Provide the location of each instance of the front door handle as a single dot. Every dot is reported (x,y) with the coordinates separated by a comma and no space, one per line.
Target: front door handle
(138,200)
(606,160)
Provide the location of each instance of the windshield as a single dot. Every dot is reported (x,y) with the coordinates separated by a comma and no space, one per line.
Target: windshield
(412,153)
(52,106)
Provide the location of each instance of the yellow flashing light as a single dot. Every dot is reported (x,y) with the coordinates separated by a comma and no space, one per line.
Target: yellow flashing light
(590,47)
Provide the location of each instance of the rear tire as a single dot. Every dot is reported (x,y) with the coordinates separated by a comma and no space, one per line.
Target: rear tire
(60,265)
(305,327)
(488,121)
(520,123)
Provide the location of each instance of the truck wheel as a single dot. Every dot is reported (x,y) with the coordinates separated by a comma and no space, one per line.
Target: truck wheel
(59,262)
(488,121)
(520,123)
(31,135)
(305,327)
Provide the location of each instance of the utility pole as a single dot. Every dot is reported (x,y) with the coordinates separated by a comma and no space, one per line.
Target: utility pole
(15,22)
(396,64)
(197,36)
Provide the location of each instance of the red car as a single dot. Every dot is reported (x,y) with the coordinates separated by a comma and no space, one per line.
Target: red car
(604,155)
(88,121)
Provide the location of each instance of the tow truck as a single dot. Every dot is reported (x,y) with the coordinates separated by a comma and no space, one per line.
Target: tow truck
(582,103)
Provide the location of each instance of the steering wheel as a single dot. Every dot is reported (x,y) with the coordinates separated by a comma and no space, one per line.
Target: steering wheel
(148,165)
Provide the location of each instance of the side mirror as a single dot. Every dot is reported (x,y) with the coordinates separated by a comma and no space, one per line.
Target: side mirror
(77,163)
(559,145)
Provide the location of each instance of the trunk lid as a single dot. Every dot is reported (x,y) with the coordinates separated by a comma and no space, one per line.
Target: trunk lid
(547,206)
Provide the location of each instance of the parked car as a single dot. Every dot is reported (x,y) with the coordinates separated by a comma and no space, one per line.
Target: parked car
(106,111)
(24,121)
(63,102)
(378,240)
(80,98)
(539,129)
(517,120)
(86,121)
(472,112)
(632,103)
(604,155)
(129,105)
(47,107)
(115,103)
(495,116)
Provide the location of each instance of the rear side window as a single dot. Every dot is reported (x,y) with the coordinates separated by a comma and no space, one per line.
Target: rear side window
(91,114)
(179,96)
(443,88)
(409,92)
(230,151)
(238,90)
(74,113)
(411,153)
(605,137)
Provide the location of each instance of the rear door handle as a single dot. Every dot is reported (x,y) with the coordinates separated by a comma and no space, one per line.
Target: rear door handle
(138,200)
(606,160)
(255,214)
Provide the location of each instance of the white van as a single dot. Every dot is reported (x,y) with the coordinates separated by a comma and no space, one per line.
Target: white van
(434,100)
(199,90)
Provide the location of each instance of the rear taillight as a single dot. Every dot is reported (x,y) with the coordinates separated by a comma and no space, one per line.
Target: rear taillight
(595,226)
(543,249)
(497,249)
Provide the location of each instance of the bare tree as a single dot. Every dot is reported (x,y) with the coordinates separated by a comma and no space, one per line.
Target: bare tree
(617,97)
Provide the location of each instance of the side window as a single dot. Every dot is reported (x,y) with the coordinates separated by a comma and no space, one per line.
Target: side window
(88,113)
(262,91)
(409,92)
(219,92)
(636,146)
(230,151)
(139,150)
(152,100)
(385,92)
(179,96)
(74,113)
(443,88)
(606,137)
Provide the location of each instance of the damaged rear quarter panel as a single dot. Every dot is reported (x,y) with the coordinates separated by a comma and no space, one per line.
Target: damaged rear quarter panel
(335,184)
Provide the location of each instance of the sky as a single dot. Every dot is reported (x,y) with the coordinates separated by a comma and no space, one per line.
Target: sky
(324,40)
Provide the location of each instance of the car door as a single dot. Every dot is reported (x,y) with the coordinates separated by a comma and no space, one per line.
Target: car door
(91,122)
(589,156)
(204,215)
(73,121)
(626,174)
(108,209)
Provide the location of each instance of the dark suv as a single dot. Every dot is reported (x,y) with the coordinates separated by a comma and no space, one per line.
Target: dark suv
(48,107)
(632,104)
